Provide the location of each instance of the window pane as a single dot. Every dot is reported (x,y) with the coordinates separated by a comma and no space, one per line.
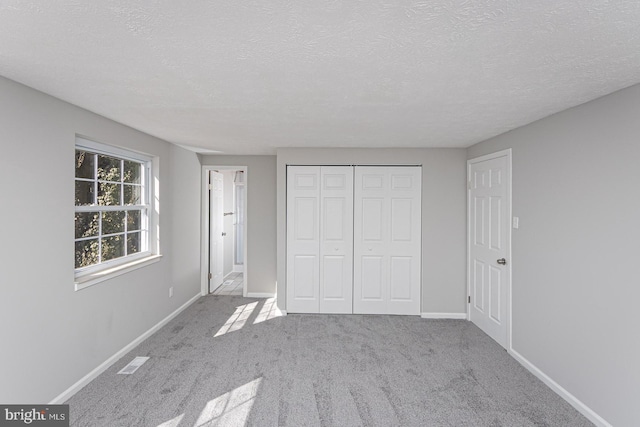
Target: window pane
(106,186)
(84,193)
(109,194)
(133,243)
(132,194)
(85,164)
(113,222)
(86,253)
(86,224)
(133,220)
(112,247)
(132,172)
(108,168)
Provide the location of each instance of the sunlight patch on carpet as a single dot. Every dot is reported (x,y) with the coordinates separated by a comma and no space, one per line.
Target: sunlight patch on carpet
(268,311)
(232,408)
(174,422)
(237,319)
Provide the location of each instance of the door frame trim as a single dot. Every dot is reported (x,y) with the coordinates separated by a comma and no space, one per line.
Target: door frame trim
(204,226)
(508,154)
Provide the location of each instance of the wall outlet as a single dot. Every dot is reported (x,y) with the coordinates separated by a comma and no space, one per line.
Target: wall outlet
(170,292)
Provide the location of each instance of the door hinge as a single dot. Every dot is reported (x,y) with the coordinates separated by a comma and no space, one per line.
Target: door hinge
(469,300)
(210,186)
(210,276)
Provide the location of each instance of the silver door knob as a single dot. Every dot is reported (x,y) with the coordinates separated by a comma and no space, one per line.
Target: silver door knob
(502,261)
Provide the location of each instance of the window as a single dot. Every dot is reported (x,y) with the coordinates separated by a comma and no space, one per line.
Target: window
(112,209)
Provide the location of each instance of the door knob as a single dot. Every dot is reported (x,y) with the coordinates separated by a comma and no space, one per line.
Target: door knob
(224,234)
(502,261)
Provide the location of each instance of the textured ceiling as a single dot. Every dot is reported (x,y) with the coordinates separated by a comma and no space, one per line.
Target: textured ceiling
(246,77)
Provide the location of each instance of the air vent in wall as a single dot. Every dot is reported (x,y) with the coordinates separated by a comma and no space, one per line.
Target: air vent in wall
(133,365)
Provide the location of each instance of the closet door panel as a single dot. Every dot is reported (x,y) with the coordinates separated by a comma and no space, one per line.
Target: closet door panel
(401,220)
(336,239)
(372,219)
(371,216)
(305,215)
(305,272)
(387,236)
(333,278)
(372,277)
(400,278)
(303,239)
(405,240)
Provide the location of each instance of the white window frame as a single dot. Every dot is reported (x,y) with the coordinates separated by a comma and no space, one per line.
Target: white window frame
(149,253)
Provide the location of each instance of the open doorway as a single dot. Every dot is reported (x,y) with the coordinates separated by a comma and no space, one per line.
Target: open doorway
(224,224)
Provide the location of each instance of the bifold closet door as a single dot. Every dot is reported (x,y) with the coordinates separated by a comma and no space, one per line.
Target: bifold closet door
(387,240)
(336,239)
(303,239)
(319,239)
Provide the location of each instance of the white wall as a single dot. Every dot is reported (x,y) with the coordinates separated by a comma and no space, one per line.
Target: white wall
(51,335)
(183,249)
(443,215)
(576,285)
(261,217)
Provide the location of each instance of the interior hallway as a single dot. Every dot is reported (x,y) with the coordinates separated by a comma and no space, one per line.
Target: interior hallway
(232,285)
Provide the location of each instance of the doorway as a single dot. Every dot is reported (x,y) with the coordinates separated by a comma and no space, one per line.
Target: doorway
(224,224)
(489,245)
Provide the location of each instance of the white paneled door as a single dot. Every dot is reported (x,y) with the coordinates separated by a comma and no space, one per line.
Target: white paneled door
(387,240)
(303,239)
(489,268)
(216,250)
(336,239)
(319,239)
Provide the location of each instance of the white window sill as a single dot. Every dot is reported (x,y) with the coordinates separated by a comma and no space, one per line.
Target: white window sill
(100,276)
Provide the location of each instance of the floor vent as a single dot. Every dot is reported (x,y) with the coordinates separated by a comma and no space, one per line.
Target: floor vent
(133,365)
(227,283)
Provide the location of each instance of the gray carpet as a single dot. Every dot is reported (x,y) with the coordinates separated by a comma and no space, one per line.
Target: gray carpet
(317,370)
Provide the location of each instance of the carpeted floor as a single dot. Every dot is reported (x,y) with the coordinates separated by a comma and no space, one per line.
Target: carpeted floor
(231,361)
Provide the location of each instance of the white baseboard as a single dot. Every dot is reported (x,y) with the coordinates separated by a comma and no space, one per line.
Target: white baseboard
(260,295)
(573,401)
(443,315)
(65,395)
(238,268)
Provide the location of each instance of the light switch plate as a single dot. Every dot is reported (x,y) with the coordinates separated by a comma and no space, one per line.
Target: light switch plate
(516,222)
